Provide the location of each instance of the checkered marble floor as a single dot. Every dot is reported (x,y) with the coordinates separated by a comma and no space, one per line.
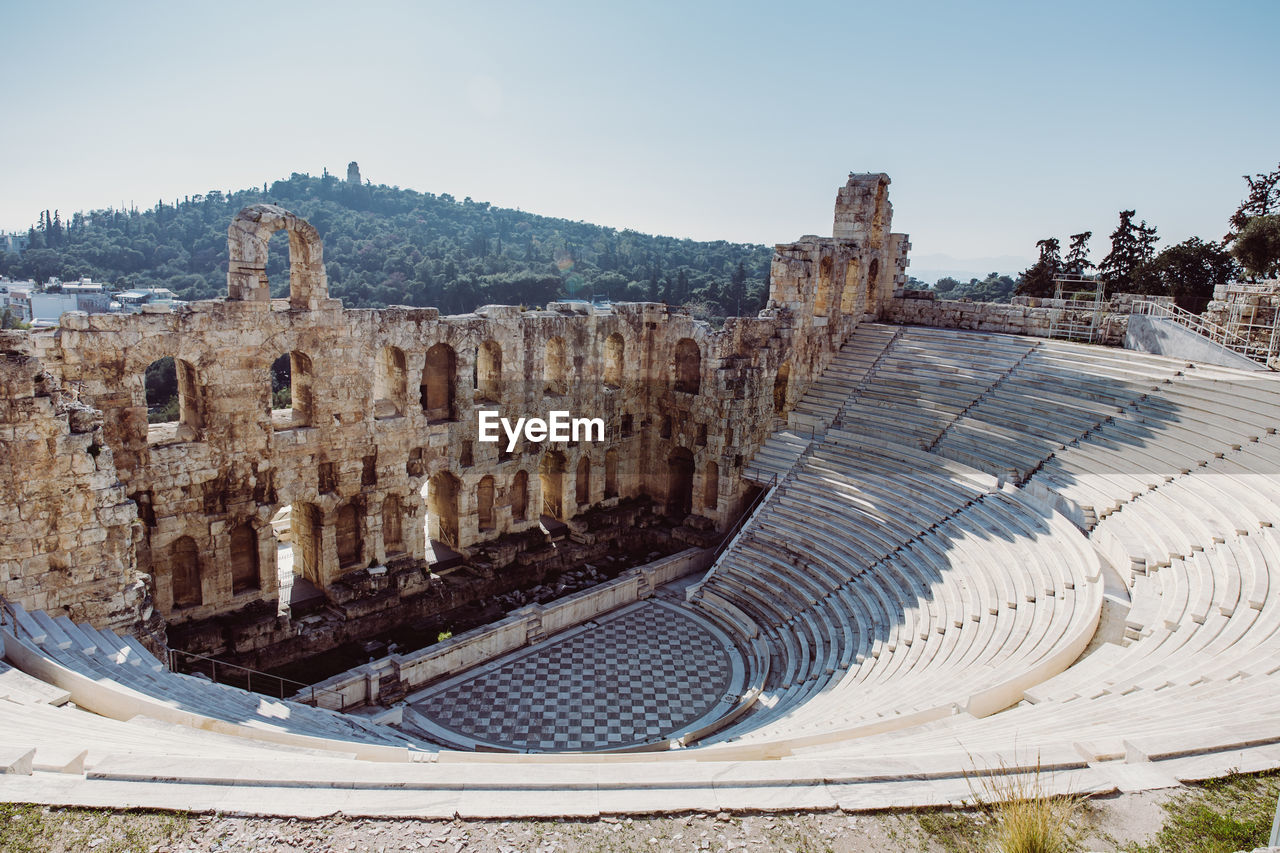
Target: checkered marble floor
(635,676)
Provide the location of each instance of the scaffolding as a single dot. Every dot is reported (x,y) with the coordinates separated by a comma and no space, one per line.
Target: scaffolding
(1252,315)
(1081,309)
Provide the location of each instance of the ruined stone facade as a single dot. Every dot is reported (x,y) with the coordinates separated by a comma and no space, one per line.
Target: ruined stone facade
(378,451)
(67,530)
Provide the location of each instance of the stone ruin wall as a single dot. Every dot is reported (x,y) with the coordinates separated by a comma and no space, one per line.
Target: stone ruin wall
(385,402)
(1024,316)
(67,530)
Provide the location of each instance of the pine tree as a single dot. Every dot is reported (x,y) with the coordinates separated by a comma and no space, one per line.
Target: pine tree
(1077,261)
(1037,280)
(1131,247)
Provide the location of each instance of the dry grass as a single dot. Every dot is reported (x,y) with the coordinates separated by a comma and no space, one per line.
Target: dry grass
(1025,817)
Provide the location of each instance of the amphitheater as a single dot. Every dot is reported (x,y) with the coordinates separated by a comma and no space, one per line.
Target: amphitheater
(905,555)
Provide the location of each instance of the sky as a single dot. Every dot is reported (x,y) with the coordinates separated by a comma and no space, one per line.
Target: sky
(999,123)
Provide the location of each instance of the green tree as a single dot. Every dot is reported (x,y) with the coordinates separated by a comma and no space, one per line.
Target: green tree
(1131,247)
(1037,280)
(1188,272)
(1263,200)
(1077,261)
(1257,246)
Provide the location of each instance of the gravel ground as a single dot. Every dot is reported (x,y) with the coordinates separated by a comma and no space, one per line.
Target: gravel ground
(1104,823)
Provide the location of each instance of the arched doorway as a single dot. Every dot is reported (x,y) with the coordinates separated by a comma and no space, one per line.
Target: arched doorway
(245,561)
(551,479)
(184,569)
(520,496)
(348,535)
(306,529)
(583,491)
(484,502)
(680,482)
(392,525)
(611,473)
(442,492)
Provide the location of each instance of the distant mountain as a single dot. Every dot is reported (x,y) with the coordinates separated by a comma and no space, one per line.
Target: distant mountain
(385,246)
(930,268)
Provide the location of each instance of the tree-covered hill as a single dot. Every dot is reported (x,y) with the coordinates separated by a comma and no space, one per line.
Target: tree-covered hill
(387,246)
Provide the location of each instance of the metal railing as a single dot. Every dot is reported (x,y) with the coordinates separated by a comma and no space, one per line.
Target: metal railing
(280,682)
(1219,335)
(8,619)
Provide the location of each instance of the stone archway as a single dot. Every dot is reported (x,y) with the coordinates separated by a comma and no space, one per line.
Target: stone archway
(348,535)
(551,478)
(680,482)
(520,496)
(442,492)
(185,575)
(248,239)
(245,559)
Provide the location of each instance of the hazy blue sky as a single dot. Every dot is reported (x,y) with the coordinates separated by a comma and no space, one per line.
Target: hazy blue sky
(999,123)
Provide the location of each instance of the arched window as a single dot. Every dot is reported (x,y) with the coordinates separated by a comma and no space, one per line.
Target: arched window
(780,388)
(392,525)
(292,400)
(172,393)
(484,502)
(873,283)
(611,473)
(583,491)
(390,386)
(679,483)
(555,367)
(614,352)
(348,535)
(520,496)
(245,574)
(184,571)
(489,371)
(438,380)
(711,486)
(687,366)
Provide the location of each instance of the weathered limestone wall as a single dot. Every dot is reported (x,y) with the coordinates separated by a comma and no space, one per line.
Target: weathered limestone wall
(1025,316)
(379,450)
(67,530)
